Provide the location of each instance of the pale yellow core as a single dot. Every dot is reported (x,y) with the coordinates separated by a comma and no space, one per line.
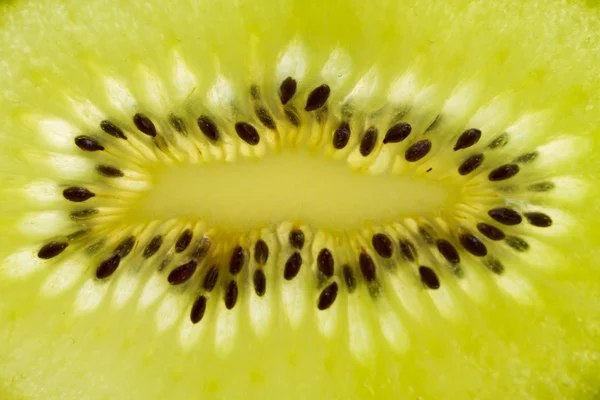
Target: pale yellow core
(291,186)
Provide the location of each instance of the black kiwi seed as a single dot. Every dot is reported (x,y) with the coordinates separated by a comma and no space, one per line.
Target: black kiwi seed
(231,294)
(367,266)
(51,250)
(261,252)
(541,187)
(198,310)
(494,265)
(538,219)
(144,124)
(296,239)
(472,244)
(505,216)
(210,279)
(429,277)
(397,133)
(317,98)
(500,141)
(382,245)
(112,130)
(237,260)
(408,250)
(341,136)
(349,278)
(109,172)
(470,164)
(503,172)
(84,213)
(417,150)
(77,194)
(183,241)
(367,144)
(247,133)
(517,243)
(526,158)
(325,262)
(208,128)
(108,267)
(467,139)
(448,251)
(292,266)
(490,231)
(287,90)
(265,117)
(153,246)
(87,143)
(260,282)
(125,247)
(182,273)
(327,296)
(292,116)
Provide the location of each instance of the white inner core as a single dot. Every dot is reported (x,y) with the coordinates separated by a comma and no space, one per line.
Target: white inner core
(291,186)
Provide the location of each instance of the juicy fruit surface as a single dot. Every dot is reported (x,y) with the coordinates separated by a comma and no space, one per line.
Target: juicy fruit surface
(95,166)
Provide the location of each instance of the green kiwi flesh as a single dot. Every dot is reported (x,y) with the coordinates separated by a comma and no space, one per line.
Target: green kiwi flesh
(299,199)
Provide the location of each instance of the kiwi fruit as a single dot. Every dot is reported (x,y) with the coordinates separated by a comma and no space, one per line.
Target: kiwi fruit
(299,199)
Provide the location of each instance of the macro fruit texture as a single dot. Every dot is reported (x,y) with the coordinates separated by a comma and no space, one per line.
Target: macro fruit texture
(299,199)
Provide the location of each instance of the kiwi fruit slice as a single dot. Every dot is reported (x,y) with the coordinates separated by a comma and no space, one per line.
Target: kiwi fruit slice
(299,199)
